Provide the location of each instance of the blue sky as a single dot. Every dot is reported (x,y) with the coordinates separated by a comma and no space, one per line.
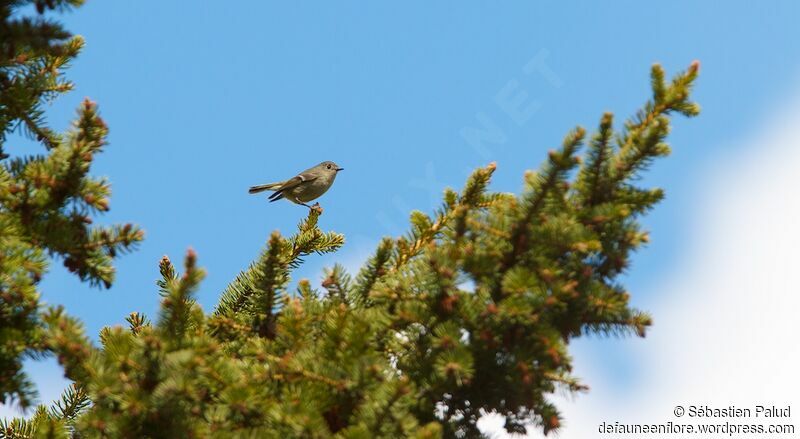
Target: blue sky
(204,101)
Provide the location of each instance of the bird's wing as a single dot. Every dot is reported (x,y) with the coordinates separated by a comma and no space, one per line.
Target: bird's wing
(292,182)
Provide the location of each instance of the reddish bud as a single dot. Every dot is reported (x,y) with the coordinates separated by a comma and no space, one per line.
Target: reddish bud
(451,368)
(448,302)
(569,287)
(547,275)
(554,355)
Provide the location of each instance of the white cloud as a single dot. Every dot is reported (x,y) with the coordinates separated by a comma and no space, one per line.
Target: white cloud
(726,323)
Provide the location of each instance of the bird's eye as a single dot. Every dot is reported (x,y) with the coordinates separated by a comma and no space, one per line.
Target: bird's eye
(329,166)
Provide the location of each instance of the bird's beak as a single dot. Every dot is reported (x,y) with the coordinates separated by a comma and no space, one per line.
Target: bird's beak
(339,169)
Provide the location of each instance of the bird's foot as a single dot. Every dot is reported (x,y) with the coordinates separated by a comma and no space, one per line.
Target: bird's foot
(316,207)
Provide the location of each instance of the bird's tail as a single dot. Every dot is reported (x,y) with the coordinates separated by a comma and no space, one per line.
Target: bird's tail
(263,187)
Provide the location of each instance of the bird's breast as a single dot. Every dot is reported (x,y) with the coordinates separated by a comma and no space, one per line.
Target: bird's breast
(313,189)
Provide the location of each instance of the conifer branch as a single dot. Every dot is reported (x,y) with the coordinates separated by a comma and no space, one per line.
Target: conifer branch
(65,337)
(290,371)
(177,301)
(471,312)
(425,231)
(337,282)
(73,401)
(270,276)
(641,140)
(259,287)
(137,322)
(373,270)
(539,187)
(594,171)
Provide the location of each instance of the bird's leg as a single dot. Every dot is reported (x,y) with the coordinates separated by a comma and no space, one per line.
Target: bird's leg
(316,207)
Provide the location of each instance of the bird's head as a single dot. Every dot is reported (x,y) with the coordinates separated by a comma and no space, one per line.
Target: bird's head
(329,167)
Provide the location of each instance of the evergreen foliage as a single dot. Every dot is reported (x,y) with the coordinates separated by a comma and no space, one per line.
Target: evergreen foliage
(470,312)
(47,200)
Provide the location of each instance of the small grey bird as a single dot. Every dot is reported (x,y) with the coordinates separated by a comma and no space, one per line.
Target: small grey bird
(306,186)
